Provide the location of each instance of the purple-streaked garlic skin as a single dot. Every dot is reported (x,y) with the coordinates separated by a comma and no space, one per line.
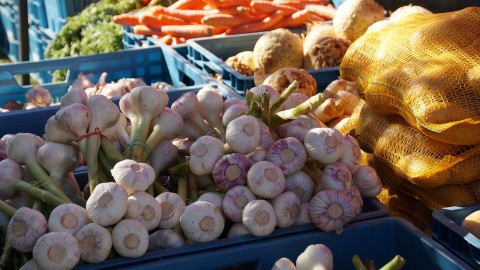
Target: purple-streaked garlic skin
(294,100)
(324,144)
(329,210)
(234,202)
(299,127)
(231,170)
(266,180)
(163,157)
(351,155)
(258,154)
(357,196)
(336,176)
(301,184)
(234,111)
(24,229)
(302,217)
(243,134)
(266,138)
(213,198)
(10,171)
(286,207)
(289,154)
(259,217)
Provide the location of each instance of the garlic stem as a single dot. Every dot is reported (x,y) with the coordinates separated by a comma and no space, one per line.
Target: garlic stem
(37,193)
(6,254)
(192,187)
(182,188)
(357,263)
(398,262)
(266,108)
(283,96)
(7,209)
(291,114)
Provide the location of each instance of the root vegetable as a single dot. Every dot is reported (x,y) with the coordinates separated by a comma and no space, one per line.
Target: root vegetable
(107,204)
(350,101)
(202,221)
(130,238)
(242,62)
(276,49)
(56,251)
(283,77)
(353,17)
(259,217)
(234,202)
(266,180)
(95,243)
(329,109)
(322,48)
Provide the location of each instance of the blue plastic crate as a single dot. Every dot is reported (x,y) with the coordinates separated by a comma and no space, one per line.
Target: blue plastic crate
(209,54)
(9,23)
(379,239)
(153,64)
(447,231)
(131,40)
(59,10)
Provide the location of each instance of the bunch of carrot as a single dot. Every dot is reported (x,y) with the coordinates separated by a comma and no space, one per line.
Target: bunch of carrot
(186,19)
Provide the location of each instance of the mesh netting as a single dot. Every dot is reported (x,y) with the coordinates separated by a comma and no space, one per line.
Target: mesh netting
(413,156)
(425,68)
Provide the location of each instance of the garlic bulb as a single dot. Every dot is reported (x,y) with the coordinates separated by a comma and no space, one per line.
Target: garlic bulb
(231,170)
(257,155)
(299,127)
(213,198)
(211,105)
(235,200)
(165,239)
(202,221)
(351,155)
(288,154)
(302,217)
(130,238)
(367,181)
(284,264)
(274,94)
(324,144)
(204,153)
(336,176)
(316,256)
(144,208)
(58,159)
(107,203)
(163,157)
(286,207)
(172,208)
(188,106)
(233,112)
(265,179)
(24,229)
(56,251)
(95,243)
(227,103)
(30,264)
(237,229)
(11,171)
(266,136)
(259,217)
(243,134)
(329,210)
(133,176)
(69,218)
(293,100)
(301,184)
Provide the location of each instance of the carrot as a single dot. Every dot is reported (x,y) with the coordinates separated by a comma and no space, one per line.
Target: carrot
(326,12)
(299,18)
(263,25)
(211,3)
(233,3)
(269,7)
(167,39)
(291,3)
(234,10)
(191,31)
(194,15)
(146,31)
(186,4)
(157,21)
(227,20)
(126,19)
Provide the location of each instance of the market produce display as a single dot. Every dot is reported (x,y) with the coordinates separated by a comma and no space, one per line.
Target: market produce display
(187,19)
(250,175)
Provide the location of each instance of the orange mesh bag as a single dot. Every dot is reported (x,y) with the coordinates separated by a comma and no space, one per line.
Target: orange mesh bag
(434,198)
(412,155)
(426,68)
